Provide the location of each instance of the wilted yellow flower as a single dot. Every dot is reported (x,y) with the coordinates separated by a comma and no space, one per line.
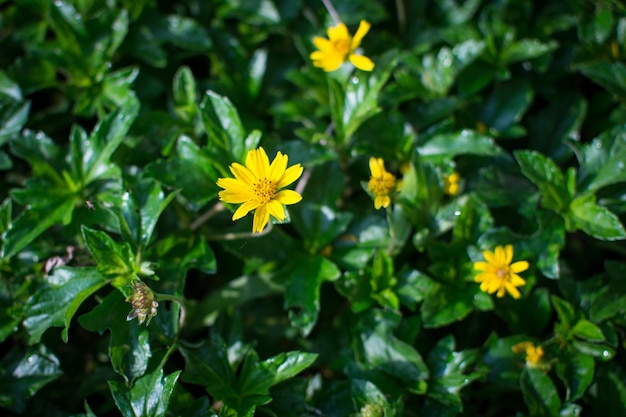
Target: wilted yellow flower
(142,300)
(340,47)
(533,353)
(498,274)
(451,184)
(381,183)
(257,185)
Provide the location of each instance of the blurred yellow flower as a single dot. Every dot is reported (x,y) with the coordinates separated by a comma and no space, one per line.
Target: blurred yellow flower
(451,184)
(381,183)
(498,274)
(257,185)
(340,47)
(533,353)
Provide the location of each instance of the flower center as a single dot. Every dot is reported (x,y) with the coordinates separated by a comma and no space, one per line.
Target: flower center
(501,273)
(381,186)
(342,46)
(264,190)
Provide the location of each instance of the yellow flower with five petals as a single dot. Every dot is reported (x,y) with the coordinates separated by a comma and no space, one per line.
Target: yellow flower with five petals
(499,274)
(340,47)
(257,186)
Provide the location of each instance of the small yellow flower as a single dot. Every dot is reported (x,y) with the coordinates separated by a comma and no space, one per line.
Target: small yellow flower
(258,186)
(451,184)
(381,183)
(498,274)
(533,353)
(340,47)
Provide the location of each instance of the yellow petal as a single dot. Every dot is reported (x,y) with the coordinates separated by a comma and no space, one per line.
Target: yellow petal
(235,195)
(323,44)
(277,168)
(519,266)
(244,209)
(291,174)
(261,217)
(486,276)
(337,32)
(258,162)
(381,201)
(377,167)
(508,251)
(330,62)
(490,257)
(517,280)
(361,62)
(242,173)
(276,209)
(287,197)
(501,292)
(512,290)
(364,27)
(482,266)
(500,256)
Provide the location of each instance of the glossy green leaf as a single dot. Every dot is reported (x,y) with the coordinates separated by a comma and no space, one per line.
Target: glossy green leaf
(449,145)
(318,225)
(603,161)
(23,372)
(9,88)
(148,397)
(192,170)
(129,346)
(57,301)
(525,49)
(576,370)
(584,329)
(597,221)
(184,94)
(445,304)
(546,176)
(223,125)
(13,116)
(506,106)
(305,275)
(385,352)
(540,393)
(113,258)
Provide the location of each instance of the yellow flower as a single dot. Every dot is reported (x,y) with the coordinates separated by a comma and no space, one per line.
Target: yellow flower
(144,305)
(257,185)
(498,274)
(451,184)
(340,47)
(381,183)
(533,353)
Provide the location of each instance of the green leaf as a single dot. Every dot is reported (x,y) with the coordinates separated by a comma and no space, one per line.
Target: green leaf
(140,210)
(383,351)
(13,117)
(547,176)
(9,88)
(57,208)
(105,139)
(603,161)
(192,170)
(540,394)
(525,49)
(506,106)
(610,75)
(584,329)
(565,311)
(129,346)
(55,303)
(222,124)
(611,398)
(184,94)
(148,397)
(445,304)
(305,275)
(576,370)
(318,225)
(467,142)
(23,372)
(597,221)
(112,258)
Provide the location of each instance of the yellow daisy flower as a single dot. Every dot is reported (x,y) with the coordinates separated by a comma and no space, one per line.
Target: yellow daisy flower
(498,274)
(451,184)
(340,47)
(533,353)
(381,183)
(257,185)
